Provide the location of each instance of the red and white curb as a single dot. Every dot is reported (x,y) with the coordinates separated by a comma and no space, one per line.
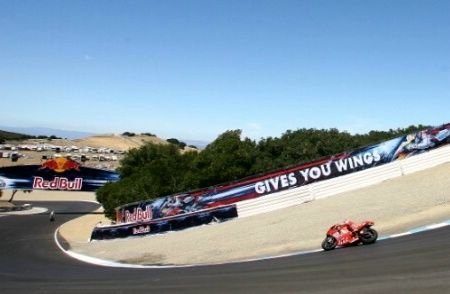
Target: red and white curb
(418,230)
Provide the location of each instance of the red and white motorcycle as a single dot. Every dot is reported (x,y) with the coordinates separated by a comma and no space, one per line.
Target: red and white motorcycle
(349,233)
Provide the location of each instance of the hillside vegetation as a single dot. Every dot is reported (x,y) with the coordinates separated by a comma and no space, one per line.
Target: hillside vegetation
(8,136)
(156,170)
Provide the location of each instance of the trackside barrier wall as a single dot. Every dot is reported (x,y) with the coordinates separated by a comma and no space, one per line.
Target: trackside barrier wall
(343,183)
(426,160)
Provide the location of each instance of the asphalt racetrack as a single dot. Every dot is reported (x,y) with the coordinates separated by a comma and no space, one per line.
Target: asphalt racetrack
(31,262)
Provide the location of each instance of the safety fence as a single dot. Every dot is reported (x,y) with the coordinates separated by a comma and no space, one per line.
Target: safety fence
(353,181)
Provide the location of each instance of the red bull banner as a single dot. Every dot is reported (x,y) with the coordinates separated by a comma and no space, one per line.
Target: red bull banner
(55,174)
(163,225)
(292,177)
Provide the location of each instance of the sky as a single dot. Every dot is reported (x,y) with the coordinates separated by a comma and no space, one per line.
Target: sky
(194,69)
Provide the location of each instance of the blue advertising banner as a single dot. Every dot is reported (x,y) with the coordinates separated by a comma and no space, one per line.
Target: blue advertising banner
(55,174)
(296,176)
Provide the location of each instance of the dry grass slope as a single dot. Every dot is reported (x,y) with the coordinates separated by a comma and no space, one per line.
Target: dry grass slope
(117,141)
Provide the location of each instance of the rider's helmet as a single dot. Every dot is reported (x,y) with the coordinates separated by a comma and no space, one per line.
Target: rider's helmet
(348,222)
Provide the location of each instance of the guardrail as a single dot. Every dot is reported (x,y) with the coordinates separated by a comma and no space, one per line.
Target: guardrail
(344,183)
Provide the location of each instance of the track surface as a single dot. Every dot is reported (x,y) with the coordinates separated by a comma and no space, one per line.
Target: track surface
(30,262)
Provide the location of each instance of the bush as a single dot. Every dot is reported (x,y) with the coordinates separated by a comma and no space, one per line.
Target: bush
(174,141)
(149,134)
(228,158)
(128,134)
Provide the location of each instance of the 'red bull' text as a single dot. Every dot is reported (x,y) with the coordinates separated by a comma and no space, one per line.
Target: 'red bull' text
(141,230)
(58,183)
(139,214)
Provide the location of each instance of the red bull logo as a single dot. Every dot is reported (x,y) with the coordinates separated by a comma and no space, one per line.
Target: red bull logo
(61,165)
(139,214)
(58,183)
(141,230)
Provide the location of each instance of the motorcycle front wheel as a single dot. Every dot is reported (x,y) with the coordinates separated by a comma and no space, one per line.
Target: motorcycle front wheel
(329,243)
(368,236)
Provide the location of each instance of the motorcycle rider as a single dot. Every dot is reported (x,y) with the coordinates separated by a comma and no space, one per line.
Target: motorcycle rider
(350,226)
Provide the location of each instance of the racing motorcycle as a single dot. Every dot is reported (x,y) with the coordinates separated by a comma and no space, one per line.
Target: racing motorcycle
(349,233)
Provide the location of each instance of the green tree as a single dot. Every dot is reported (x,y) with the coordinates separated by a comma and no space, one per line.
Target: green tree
(228,158)
(302,145)
(128,134)
(177,142)
(149,172)
(149,134)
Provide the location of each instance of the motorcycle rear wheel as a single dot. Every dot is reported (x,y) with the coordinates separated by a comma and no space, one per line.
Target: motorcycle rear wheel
(368,236)
(329,243)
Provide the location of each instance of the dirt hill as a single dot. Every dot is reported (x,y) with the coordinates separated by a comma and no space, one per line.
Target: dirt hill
(115,141)
(112,141)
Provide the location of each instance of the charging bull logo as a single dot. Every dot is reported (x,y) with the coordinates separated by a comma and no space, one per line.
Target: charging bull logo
(60,165)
